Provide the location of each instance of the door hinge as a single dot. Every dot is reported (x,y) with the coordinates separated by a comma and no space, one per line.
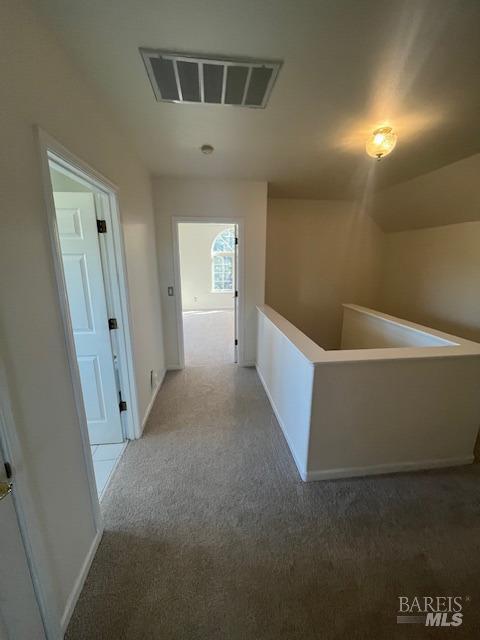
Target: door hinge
(236,294)
(101,226)
(112,323)
(236,240)
(8,470)
(122,405)
(236,342)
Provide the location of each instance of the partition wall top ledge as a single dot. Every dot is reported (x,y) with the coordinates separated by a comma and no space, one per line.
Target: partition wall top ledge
(420,341)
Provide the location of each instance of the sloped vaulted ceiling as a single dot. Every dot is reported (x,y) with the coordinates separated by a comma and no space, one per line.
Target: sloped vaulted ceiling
(449,195)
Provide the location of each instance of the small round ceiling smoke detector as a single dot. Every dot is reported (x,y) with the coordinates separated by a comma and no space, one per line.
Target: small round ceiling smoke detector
(381,143)
(207,149)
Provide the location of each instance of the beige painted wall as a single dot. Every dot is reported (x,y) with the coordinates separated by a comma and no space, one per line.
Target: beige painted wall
(198,198)
(319,255)
(195,243)
(446,196)
(41,86)
(432,276)
(431,268)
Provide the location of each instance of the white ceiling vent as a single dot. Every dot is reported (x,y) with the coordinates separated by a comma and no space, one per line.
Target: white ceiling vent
(195,79)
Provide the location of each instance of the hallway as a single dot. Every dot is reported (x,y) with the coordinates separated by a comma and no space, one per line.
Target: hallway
(211,535)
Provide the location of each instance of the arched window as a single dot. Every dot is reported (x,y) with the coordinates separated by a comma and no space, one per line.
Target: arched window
(222,261)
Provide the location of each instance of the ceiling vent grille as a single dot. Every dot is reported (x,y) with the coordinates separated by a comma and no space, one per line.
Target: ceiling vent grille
(194,79)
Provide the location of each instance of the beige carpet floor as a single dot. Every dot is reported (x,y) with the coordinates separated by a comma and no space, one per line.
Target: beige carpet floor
(208,337)
(211,535)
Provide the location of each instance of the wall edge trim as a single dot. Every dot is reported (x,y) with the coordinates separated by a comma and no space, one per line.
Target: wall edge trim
(152,401)
(301,470)
(79,582)
(381,469)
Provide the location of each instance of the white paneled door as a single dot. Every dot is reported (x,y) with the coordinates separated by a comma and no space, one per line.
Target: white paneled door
(19,613)
(79,241)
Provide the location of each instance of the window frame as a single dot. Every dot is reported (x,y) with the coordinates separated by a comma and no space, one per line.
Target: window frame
(222,254)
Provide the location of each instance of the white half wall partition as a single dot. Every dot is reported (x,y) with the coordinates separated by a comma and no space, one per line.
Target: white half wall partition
(399,396)
(366,329)
(285,358)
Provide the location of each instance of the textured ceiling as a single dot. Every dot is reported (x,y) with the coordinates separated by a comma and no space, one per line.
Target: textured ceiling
(349,65)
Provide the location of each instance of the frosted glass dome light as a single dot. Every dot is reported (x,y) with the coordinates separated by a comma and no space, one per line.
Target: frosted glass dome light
(381,143)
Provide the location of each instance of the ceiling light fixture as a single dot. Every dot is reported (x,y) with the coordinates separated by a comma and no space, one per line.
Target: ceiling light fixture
(381,143)
(207,149)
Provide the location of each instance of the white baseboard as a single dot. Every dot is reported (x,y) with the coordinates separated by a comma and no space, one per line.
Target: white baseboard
(79,582)
(300,468)
(247,363)
(112,472)
(152,400)
(370,470)
(395,467)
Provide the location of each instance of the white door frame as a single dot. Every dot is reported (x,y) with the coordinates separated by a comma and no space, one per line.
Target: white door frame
(113,253)
(240,277)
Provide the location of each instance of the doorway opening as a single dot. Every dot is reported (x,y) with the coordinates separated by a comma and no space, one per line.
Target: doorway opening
(88,256)
(209,292)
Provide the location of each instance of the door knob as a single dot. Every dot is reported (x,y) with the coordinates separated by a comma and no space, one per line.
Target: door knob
(5,489)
